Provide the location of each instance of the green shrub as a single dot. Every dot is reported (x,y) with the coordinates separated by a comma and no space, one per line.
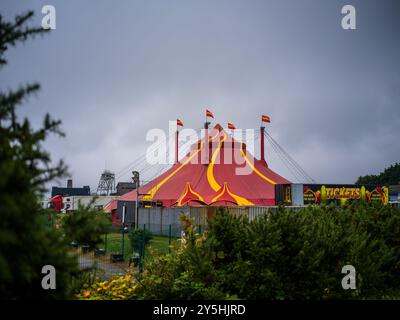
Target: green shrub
(186,273)
(86,226)
(283,255)
(300,254)
(139,238)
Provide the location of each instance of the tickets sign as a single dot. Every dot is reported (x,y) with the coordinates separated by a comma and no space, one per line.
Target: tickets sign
(341,194)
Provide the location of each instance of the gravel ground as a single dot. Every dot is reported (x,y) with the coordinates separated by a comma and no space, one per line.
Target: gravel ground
(106,269)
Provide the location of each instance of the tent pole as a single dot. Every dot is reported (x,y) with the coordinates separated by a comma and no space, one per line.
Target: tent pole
(262,129)
(206,144)
(176,145)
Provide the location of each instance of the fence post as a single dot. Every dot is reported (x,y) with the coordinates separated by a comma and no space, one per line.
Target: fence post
(105,242)
(200,229)
(169,238)
(123,242)
(143,240)
(141,249)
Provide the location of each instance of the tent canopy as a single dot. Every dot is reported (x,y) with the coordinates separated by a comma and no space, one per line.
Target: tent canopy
(224,174)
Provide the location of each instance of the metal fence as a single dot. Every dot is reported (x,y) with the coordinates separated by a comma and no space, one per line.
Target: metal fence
(164,217)
(116,254)
(119,253)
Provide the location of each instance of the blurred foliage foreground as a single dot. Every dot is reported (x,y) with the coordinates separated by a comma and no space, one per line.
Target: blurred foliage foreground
(283,255)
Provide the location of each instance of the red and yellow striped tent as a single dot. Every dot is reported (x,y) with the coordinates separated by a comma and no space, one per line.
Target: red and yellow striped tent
(230,176)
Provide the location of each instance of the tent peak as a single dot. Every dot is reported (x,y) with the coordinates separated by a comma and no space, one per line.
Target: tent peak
(218,127)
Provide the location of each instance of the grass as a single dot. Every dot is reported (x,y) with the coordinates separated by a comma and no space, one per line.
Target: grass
(161,243)
(114,244)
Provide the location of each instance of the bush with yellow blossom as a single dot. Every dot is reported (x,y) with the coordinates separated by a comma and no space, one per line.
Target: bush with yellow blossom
(119,288)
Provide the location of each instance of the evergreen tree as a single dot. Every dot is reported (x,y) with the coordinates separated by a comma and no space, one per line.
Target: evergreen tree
(27,243)
(390,176)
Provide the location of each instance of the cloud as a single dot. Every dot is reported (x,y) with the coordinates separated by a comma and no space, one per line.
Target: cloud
(113,72)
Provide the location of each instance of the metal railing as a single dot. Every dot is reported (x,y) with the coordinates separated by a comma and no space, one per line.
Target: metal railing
(124,249)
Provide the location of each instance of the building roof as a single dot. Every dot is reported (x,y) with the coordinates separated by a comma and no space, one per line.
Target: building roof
(68,192)
(124,187)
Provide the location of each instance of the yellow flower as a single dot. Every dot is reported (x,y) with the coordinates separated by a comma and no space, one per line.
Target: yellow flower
(86,293)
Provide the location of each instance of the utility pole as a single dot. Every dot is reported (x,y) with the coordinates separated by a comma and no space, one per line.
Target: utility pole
(123,229)
(135,178)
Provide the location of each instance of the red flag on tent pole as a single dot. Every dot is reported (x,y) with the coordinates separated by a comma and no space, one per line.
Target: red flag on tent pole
(265,119)
(231,126)
(179,123)
(209,114)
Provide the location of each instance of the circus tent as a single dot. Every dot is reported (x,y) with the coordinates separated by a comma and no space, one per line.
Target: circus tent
(218,173)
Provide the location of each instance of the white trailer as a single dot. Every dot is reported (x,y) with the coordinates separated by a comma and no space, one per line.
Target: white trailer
(98,202)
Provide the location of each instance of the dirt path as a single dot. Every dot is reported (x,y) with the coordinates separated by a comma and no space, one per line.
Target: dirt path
(107,269)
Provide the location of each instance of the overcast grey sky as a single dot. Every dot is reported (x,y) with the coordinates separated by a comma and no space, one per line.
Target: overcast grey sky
(112,70)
